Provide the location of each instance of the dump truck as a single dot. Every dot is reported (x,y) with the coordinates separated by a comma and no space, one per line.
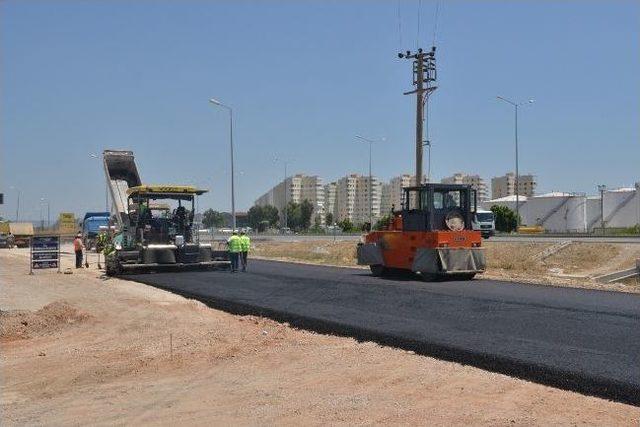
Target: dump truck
(155,229)
(6,238)
(22,233)
(92,224)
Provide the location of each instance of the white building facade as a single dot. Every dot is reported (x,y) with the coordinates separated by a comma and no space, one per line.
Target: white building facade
(352,198)
(392,192)
(297,188)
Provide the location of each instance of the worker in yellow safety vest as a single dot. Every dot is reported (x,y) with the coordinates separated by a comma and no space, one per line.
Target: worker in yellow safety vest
(245,244)
(235,247)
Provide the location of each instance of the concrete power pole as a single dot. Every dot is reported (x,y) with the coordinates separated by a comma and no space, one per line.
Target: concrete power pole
(424,74)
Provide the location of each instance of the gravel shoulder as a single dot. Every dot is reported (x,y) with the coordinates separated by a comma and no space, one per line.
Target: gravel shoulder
(574,265)
(83,349)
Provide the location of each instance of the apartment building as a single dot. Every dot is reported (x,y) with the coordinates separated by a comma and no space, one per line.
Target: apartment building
(392,192)
(330,200)
(476,182)
(297,188)
(352,198)
(502,186)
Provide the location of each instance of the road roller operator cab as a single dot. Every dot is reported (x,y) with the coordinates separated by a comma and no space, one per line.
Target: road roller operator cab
(432,235)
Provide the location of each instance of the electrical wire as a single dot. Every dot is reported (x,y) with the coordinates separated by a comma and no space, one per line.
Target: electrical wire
(435,23)
(418,32)
(399,29)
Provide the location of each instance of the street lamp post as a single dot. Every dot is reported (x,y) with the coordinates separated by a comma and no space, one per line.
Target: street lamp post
(43,201)
(517,178)
(370,142)
(427,144)
(602,188)
(233,195)
(106,186)
(284,185)
(18,203)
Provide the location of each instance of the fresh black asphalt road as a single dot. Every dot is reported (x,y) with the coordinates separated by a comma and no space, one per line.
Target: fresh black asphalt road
(577,339)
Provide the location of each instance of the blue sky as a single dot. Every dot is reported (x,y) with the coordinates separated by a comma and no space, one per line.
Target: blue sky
(304,78)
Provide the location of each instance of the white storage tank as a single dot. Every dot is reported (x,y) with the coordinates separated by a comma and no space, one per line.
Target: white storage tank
(508,201)
(557,212)
(593,212)
(622,207)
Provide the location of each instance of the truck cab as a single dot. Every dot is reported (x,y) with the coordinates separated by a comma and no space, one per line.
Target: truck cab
(484,222)
(91,225)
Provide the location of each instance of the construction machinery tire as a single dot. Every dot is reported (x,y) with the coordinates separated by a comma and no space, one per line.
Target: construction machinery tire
(112,266)
(377,270)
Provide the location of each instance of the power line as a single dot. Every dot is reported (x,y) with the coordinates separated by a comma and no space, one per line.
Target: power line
(399,28)
(435,23)
(418,32)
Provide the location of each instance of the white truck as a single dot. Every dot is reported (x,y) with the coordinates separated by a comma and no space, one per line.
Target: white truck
(485,223)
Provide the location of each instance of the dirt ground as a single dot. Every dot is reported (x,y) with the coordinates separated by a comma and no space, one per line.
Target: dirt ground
(80,349)
(574,265)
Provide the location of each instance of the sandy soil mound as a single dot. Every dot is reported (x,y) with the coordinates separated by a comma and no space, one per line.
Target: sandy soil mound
(20,324)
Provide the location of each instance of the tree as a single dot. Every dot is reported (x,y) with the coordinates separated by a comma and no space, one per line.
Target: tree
(328,219)
(306,212)
(262,217)
(383,222)
(506,219)
(212,218)
(293,216)
(346,225)
(270,214)
(255,216)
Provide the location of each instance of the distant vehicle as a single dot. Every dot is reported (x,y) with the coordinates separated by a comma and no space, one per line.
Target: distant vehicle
(286,230)
(485,223)
(22,233)
(91,225)
(7,240)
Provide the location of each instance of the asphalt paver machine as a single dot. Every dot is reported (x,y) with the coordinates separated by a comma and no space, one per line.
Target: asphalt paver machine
(155,228)
(432,233)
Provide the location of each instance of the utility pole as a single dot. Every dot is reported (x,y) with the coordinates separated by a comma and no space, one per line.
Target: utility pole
(424,75)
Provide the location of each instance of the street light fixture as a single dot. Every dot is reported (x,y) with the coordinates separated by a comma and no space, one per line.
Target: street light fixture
(233,195)
(106,186)
(43,201)
(18,202)
(284,186)
(370,142)
(517,180)
(602,188)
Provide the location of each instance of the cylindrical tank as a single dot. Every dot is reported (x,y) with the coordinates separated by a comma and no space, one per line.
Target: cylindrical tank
(621,207)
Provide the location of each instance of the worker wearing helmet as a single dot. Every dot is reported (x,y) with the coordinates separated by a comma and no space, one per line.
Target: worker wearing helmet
(235,247)
(245,244)
(77,248)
